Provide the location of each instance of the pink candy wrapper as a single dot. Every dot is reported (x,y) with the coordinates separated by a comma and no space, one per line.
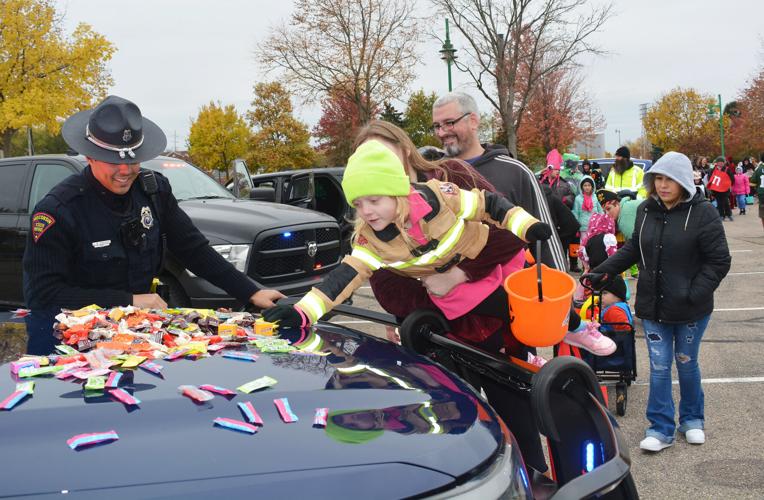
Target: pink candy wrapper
(250,413)
(319,420)
(194,393)
(287,415)
(152,367)
(82,440)
(124,397)
(17,366)
(21,393)
(113,380)
(243,356)
(235,425)
(217,390)
(177,354)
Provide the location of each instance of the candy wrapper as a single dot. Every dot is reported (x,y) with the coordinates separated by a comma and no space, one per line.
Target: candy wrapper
(178,353)
(123,396)
(287,415)
(250,413)
(319,419)
(151,367)
(17,366)
(217,390)
(112,381)
(66,349)
(23,390)
(195,394)
(95,384)
(257,384)
(243,356)
(36,372)
(235,425)
(133,361)
(83,440)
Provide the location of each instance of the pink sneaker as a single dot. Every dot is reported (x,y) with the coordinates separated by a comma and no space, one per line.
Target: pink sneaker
(536,360)
(588,337)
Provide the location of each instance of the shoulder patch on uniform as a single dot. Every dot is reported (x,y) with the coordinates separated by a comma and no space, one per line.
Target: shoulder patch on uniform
(448,188)
(41,222)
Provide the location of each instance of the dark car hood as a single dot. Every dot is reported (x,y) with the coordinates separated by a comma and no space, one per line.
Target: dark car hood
(404,415)
(239,221)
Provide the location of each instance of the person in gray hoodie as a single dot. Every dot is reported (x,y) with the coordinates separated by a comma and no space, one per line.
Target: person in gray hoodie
(681,249)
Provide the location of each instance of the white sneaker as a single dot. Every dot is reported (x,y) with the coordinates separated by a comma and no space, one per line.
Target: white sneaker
(651,443)
(695,436)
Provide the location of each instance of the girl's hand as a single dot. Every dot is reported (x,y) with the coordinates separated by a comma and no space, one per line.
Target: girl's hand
(442,283)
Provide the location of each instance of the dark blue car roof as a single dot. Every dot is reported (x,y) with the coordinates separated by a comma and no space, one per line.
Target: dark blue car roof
(399,416)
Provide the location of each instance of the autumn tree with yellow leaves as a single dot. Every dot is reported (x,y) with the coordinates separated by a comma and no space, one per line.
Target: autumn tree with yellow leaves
(218,136)
(680,121)
(280,141)
(45,74)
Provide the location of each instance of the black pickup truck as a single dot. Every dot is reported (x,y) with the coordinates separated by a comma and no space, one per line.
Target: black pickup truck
(279,246)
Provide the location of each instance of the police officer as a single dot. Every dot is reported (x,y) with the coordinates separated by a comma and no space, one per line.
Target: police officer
(98,237)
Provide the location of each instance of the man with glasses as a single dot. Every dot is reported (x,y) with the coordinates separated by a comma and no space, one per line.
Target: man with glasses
(98,237)
(456,120)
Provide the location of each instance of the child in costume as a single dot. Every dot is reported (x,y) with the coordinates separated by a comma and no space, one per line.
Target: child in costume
(616,313)
(418,230)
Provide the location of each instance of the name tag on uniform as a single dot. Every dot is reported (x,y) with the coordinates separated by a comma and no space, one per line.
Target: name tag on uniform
(101,244)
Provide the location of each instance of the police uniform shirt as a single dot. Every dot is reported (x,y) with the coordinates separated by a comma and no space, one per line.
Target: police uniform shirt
(87,245)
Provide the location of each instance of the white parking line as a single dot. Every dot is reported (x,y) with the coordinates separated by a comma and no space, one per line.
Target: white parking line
(743,274)
(351,322)
(739,251)
(736,380)
(740,309)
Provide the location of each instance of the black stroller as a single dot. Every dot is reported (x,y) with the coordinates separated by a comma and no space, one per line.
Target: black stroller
(620,368)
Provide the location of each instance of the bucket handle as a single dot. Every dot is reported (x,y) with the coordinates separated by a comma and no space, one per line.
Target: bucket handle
(538,270)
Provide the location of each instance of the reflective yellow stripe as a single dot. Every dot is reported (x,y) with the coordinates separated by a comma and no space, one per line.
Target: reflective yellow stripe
(469,203)
(367,257)
(313,306)
(445,246)
(519,221)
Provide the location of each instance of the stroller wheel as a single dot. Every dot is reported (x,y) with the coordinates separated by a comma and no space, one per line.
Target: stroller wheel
(621,398)
(416,328)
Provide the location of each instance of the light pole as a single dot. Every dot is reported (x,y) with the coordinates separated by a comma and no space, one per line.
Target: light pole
(712,110)
(642,114)
(617,131)
(448,54)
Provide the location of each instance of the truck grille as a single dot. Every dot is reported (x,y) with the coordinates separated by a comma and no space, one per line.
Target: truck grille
(285,254)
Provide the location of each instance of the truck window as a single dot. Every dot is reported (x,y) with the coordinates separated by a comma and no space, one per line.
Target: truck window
(11,181)
(46,176)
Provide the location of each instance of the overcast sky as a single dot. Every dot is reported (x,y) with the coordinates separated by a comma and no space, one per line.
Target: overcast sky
(176,55)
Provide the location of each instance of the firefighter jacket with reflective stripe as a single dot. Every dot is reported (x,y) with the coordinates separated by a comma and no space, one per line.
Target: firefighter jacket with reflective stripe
(454,230)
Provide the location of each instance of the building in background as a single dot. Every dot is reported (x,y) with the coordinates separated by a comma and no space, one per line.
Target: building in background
(592,147)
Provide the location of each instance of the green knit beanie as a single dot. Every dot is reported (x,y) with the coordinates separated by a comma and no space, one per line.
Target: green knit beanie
(374,170)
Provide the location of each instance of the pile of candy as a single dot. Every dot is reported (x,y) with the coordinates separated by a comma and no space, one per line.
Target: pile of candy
(100,346)
(155,334)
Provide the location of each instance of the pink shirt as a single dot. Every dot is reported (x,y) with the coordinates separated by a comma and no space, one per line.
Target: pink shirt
(741,184)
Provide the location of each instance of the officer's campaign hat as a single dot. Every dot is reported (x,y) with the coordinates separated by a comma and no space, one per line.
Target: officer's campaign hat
(114,132)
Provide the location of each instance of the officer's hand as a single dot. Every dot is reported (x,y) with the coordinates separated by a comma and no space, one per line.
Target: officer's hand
(149,301)
(538,231)
(286,316)
(266,298)
(594,280)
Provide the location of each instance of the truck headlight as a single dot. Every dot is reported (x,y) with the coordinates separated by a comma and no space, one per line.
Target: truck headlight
(235,254)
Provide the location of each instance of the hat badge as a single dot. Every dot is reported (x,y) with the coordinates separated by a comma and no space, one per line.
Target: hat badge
(127,135)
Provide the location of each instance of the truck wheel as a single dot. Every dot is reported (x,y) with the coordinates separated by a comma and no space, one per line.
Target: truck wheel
(176,296)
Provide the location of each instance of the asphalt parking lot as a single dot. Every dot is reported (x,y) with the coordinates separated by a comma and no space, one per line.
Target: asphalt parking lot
(731,462)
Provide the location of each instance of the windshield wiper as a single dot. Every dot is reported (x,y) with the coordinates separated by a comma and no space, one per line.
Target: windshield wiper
(205,197)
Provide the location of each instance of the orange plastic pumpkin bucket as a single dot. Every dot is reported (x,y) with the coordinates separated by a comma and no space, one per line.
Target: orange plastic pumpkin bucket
(535,322)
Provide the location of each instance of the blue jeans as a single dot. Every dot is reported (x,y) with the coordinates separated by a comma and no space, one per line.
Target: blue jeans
(664,343)
(740,202)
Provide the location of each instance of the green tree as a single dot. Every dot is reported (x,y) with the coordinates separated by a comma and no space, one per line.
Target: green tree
(280,141)
(218,136)
(45,74)
(418,120)
(391,115)
(44,142)
(680,121)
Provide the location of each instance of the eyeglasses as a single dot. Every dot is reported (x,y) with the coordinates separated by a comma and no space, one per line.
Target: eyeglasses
(448,124)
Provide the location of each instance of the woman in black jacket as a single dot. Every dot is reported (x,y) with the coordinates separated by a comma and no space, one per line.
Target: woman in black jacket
(680,247)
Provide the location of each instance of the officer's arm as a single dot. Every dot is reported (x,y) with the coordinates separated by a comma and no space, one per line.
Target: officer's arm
(49,265)
(186,242)
(339,284)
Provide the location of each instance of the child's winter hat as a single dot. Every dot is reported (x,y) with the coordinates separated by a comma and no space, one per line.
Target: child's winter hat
(738,169)
(617,287)
(374,170)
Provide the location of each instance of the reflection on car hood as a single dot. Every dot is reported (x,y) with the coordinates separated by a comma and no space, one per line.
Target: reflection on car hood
(387,406)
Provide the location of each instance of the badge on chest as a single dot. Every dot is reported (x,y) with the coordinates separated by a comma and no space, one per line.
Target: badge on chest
(147,218)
